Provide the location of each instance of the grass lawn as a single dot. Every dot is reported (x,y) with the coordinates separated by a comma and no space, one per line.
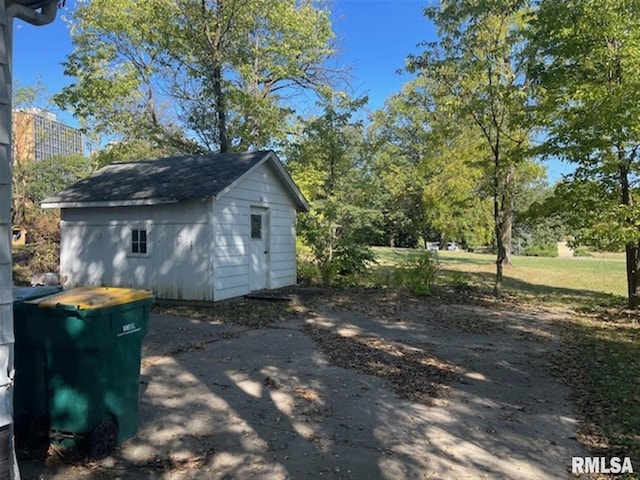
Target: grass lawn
(575,281)
(600,357)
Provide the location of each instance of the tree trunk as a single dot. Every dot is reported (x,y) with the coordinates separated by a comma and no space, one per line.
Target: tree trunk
(215,43)
(505,232)
(501,251)
(503,207)
(633,269)
(220,110)
(632,250)
(497,216)
(497,287)
(508,207)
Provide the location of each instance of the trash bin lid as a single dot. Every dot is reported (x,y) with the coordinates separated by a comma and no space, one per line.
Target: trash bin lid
(24,294)
(93,298)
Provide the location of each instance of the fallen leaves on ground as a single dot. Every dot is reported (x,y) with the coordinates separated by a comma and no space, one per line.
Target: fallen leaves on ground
(252,313)
(58,456)
(414,374)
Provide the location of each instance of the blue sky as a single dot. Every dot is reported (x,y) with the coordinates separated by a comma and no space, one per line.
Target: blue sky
(374,38)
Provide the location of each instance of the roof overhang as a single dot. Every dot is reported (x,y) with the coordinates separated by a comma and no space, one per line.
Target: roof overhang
(111,203)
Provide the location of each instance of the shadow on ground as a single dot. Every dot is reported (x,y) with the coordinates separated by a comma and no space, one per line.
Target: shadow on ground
(319,396)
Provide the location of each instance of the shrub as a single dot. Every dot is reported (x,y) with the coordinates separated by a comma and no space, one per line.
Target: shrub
(352,258)
(418,274)
(307,272)
(582,252)
(46,258)
(334,249)
(541,250)
(42,226)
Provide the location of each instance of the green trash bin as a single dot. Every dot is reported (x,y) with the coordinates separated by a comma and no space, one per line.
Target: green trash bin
(29,401)
(92,340)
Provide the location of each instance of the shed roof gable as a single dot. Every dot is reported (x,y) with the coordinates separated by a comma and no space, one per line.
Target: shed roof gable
(169,180)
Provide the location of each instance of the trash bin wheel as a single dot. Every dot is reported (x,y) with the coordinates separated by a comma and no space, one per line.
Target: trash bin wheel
(21,429)
(104,439)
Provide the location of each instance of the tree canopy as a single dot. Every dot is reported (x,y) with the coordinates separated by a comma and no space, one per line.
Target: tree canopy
(195,75)
(429,166)
(479,67)
(328,161)
(586,64)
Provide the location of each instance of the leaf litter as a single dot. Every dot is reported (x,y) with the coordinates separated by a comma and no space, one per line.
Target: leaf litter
(414,374)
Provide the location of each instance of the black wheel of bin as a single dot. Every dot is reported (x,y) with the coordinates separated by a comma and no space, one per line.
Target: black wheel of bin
(21,423)
(104,439)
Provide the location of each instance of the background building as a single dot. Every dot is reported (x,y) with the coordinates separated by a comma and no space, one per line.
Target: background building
(37,135)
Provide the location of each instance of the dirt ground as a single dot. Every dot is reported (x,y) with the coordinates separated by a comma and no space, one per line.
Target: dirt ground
(362,389)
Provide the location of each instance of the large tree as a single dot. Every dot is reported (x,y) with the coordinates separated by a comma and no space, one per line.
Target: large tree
(428,164)
(478,62)
(195,75)
(329,163)
(395,136)
(587,63)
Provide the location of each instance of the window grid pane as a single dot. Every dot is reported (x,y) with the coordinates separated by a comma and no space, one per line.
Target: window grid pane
(256,227)
(139,241)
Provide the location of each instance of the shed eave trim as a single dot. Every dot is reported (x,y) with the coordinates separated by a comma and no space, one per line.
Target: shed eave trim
(110,203)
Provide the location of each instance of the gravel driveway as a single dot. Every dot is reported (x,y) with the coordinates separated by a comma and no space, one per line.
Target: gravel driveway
(348,390)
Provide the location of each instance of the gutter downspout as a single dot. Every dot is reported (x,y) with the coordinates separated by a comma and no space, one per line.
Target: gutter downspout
(45,15)
(40,13)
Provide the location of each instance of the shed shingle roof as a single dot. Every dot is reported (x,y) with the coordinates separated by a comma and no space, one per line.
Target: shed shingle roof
(168,180)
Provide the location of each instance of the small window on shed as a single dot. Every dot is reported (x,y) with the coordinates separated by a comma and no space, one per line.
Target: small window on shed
(139,241)
(256,227)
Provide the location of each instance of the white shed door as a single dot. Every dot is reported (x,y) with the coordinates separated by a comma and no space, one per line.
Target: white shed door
(259,249)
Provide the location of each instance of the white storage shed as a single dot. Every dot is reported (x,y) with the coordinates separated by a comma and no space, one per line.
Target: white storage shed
(202,227)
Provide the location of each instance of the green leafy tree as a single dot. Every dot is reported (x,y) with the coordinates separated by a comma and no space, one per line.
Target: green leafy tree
(53,174)
(478,65)
(42,179)
(195,75)
(328,164)
(130,150)
(586,61)
(23,149)
(398,187)
(428,164)
(536,224)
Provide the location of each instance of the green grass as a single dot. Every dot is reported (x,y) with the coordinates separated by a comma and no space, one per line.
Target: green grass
(575,282)
(601,360)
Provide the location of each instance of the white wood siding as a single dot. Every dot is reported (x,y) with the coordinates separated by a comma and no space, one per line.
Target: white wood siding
(197,249)
(96,242)
(232,231)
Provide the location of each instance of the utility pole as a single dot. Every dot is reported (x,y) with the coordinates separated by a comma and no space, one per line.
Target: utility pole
(35,12)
